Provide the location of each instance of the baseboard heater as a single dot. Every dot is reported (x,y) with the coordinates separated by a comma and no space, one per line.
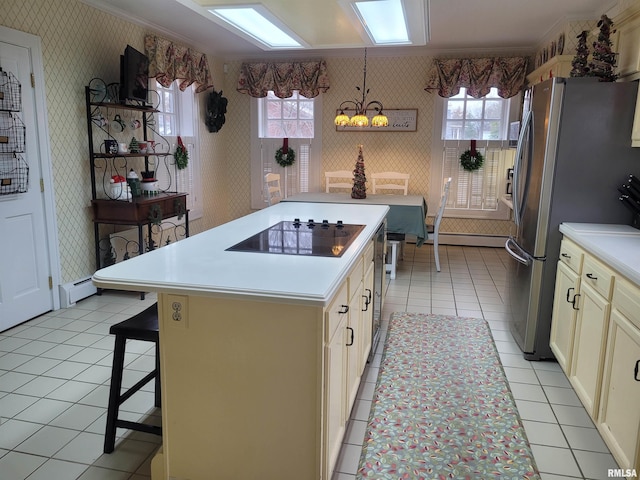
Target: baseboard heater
(471,240)
(72,292)
(465,239)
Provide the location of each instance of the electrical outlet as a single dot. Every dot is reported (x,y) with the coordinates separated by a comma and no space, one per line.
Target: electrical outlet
(178,311)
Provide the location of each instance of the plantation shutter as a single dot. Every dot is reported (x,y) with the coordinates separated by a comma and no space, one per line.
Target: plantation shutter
(293,179)
(476,190)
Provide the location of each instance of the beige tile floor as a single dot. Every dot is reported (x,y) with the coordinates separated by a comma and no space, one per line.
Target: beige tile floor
(55,371)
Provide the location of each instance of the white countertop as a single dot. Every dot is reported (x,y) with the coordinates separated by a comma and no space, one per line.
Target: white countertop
(199,265)
(616,245)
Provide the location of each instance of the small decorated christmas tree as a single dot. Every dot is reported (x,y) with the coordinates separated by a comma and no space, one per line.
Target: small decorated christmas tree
(134,146)
(579,62)
(603,60)
(359,189)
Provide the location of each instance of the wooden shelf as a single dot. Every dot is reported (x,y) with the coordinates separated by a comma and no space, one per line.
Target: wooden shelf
(130,155)
(139,210)
(124,106)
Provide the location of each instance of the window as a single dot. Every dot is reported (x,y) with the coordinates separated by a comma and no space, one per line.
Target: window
(468,118)
(178,113)
(475,194)
(289,117)
(298,119)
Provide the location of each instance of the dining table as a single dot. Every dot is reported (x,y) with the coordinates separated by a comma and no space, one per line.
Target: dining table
(407,213)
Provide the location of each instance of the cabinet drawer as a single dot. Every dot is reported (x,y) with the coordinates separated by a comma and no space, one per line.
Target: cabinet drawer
(336,312)
(571,255)
(139,211)
(355,277)
(598,276)
(626,298)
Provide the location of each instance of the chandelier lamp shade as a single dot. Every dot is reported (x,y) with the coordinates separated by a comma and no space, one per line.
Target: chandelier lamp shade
(361,107)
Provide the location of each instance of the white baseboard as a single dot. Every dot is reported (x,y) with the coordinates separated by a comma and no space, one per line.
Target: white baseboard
(72,292)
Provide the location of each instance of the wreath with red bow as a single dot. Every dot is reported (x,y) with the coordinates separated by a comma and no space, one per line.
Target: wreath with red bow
(471,159)
(471,162)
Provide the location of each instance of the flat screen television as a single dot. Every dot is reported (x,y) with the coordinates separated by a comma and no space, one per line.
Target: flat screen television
(134,76)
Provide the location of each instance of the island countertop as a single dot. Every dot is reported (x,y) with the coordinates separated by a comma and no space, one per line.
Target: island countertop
(200,264)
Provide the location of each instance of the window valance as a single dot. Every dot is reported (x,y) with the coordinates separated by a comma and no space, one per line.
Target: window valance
(478,75)
(309,78)
(169,61)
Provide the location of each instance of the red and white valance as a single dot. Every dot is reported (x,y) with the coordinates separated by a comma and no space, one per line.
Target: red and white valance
(478,75)
(309,78)
(169,61)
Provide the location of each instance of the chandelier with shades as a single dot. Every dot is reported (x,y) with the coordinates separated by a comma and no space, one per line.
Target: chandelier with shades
(360,119)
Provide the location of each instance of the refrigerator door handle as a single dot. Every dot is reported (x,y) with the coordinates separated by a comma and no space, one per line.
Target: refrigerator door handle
(513,249)
(515,184)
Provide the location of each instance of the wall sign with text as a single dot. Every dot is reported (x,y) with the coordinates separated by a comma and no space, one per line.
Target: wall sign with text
(399,121)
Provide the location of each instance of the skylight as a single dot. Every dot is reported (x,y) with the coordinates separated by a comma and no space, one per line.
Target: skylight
(256,22)
(384,21)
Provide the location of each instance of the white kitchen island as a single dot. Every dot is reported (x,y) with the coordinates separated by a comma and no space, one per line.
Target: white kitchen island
(261,354)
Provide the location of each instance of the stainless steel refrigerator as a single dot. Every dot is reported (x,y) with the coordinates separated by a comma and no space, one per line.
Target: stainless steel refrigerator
(574,151)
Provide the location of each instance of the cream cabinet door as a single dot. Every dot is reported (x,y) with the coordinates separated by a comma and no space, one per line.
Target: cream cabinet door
(354,334)
(366,318)
(335,381)
(589,346)
(619,418)
(565,312)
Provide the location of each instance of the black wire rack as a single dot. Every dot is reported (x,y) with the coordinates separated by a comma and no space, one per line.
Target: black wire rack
(10,92)
(14,175)
(12,134)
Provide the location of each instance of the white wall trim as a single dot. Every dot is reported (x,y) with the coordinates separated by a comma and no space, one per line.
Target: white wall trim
(34,44)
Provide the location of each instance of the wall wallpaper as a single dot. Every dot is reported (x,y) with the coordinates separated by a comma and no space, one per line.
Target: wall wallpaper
(80,42)
(397,82)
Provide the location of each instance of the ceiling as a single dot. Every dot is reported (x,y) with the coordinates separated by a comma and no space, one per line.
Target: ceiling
(453,24)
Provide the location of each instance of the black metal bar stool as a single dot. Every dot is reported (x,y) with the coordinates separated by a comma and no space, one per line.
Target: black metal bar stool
(143,326)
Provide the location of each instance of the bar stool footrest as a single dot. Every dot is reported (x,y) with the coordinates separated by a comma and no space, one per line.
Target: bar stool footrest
(129,393)
(139,427)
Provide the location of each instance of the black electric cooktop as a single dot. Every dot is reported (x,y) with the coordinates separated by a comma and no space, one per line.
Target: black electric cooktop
(319,239)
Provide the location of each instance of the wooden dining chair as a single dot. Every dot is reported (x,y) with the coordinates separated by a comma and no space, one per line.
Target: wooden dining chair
(272,188)
(340,175)
(394,181)
(434,229)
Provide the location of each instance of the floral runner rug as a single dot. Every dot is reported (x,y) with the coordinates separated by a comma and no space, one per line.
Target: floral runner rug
(442,407)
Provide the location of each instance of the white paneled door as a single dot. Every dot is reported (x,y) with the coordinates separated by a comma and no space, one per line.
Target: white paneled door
(25,267)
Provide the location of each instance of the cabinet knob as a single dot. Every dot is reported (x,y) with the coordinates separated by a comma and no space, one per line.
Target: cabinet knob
(635,371)
(565,255)
(344,309)
(591,276)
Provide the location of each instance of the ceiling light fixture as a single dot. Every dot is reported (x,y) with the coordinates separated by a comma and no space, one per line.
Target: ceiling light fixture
(383,20)
(260,25)
(360,118)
